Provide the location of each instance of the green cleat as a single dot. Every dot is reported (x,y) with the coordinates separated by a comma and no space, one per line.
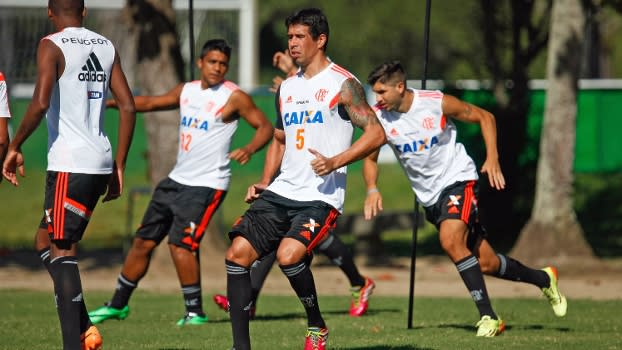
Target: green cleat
(106,312)
(487,327)
(552,293)
(192,318)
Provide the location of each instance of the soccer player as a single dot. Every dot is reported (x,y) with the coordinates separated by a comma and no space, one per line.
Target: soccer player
(5,114)
(183,204)
(312,144)
(361,287)
(75,69)
(444,179)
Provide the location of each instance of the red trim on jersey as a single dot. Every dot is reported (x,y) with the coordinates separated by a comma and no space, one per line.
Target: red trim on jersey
(207,216)
(334,101)
(219,112)
(468,201)
(337,68)
(230,85)
(430,94)
(376,107)
(62,179)
(328,224)
(443,122)
(1,76)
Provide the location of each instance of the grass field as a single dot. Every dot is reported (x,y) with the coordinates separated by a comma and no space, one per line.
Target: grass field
(29,321)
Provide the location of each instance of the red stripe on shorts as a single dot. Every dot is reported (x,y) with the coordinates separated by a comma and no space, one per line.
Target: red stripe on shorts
(328,224)
(207,216)
(468,201)
(59,201)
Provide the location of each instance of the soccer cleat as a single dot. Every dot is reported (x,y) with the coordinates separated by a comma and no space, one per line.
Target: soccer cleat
(552,293)
(487,327)
(360,298)
(91,339)
(223,303)
(106,312)
(316,338)
(192,318)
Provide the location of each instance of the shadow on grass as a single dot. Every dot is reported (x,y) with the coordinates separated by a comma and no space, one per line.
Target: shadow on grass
(302,316)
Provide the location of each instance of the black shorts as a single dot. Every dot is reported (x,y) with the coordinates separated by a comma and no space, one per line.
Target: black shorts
(458,201)
(272,217)
(182,212)
(70,199)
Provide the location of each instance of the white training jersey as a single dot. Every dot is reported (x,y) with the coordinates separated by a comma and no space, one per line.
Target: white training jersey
(424,142)
(204,138)
(77,142)
(310,119)
(5,112)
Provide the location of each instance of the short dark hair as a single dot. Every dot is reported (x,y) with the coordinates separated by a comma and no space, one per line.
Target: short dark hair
(66,7)
(218,45)
(388,71)
(313,18)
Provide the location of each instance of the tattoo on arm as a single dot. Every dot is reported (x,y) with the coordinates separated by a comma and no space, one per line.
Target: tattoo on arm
(354,101)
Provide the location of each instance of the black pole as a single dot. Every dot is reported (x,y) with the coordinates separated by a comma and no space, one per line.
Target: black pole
(191,37)
(413,254)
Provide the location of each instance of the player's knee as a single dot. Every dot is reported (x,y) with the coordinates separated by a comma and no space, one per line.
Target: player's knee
(241,252)
(143,246)
(290,254)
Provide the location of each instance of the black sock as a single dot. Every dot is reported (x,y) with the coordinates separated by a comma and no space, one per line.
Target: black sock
(122,292)
(513,270)
(192,298)
(239,296)
(44,255)
(338,252)
(69,299)
(301,279)
(259,271)
(473,278)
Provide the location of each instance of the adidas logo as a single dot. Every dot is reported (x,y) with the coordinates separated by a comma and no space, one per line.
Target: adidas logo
(92,70)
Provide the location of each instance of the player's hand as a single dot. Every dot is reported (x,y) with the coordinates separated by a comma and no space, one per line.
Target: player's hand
(241,155)
(373,204)
(253,192)
(115,184)
(495,176)
(13,165)
(321,165)
(283,61)
(276,82)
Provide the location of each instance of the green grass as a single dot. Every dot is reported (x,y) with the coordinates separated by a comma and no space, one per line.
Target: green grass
(29,321)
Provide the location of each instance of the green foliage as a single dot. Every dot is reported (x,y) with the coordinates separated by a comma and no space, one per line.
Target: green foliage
(29,321)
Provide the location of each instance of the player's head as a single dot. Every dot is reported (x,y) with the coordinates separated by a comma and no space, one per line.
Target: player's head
(388,81)
(213,61)
(218,45)
(313,18)
(307,33)
(68,8)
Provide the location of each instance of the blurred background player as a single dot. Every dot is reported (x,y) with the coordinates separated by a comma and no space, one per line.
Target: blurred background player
(361,287)
(312,145)
(444,179)
(72,83)
(5,114)
(183,204)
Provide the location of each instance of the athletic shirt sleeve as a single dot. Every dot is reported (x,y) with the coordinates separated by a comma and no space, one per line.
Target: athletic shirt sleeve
(4,99)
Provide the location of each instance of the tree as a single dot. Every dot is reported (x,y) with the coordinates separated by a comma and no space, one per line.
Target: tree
(159,69)
(514,33)
(553,230)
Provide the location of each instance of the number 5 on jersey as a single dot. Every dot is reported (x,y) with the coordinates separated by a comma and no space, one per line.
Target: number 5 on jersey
(300,138)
